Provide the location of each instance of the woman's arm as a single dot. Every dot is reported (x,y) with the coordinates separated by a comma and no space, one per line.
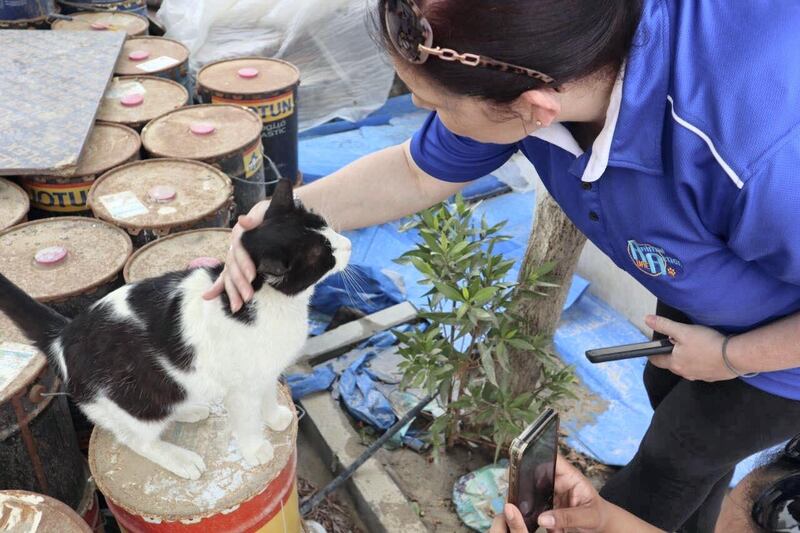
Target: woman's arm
(768,348)
(377,188)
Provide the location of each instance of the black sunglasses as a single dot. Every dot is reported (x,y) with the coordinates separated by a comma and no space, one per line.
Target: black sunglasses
(778,507)
(412,37)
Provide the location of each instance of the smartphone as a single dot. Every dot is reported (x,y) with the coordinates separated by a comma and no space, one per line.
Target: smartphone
(629,351)
(532,468)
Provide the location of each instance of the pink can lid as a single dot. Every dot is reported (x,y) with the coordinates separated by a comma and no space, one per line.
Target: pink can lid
(50,256)
(202,128)
(162,193)
(138,55)
(248,72)
(132,100)
(99,26)
(204,262)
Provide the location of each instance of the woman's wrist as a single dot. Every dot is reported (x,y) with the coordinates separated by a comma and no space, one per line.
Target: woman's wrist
(737,354)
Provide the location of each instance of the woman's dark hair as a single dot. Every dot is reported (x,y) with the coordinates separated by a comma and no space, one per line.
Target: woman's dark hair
(566,39)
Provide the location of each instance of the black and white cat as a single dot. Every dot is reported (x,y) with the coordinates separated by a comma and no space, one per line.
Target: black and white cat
(155,352)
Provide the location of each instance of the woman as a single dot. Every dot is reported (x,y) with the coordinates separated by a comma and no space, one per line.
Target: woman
(766,500)
(668,132)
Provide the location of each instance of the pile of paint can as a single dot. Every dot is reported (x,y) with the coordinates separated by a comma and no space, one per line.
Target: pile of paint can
(156,189)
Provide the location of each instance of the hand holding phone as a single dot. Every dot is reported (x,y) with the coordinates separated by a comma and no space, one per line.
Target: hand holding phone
(531,473)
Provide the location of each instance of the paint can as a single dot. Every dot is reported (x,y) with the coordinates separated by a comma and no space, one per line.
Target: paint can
(38,447)
(23,511)
(269,87)
(157,197)
(228,497)
(89,508)
(134,6)
(226,136)
(155,56)
(133,101)
(25,10)
(108,146)
(14,204)
(130,23)
(68,262)
(181,251)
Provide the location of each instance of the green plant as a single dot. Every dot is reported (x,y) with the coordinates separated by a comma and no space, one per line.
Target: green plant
(473,323)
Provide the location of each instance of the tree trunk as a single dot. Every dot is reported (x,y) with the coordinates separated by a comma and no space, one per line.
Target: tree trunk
(554,239)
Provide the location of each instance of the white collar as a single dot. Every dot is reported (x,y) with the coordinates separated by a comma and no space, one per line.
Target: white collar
(558,135)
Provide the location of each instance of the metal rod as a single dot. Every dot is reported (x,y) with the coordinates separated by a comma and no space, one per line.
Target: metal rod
(308,504)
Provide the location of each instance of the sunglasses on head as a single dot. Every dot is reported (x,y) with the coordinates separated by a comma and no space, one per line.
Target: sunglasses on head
(778,507)
(412,37)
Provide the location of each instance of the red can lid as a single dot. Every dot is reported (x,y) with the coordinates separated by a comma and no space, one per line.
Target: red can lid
(138,55)
(99,25)
(132,100)
(248,72)
(50,256)
(202,128)
(162,193)
(199,262)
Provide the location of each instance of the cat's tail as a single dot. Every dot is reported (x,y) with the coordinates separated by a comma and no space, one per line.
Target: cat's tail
(38,322)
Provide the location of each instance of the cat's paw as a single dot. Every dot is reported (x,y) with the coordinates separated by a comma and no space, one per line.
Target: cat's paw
(279,418)
(192,413)
(257,452)
(183,463)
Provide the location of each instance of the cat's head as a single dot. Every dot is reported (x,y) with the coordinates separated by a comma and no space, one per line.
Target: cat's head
(294,248)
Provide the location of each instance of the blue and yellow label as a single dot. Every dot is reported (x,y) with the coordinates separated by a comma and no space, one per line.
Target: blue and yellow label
(253,160)
(270,109)
(58,197)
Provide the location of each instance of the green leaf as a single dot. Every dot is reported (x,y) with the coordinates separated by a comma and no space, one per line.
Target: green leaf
(447,291)
(521,344)
(487,362)
(484,295)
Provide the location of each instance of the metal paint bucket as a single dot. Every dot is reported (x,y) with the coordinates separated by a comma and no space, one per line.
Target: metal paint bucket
(155,56)
(108,146)
(89,508)
(154,198)
(226,136)
(38,447)
(14,204)
(68,263)
(25,511)
(269,87)
(134,6)
(21,10)
(228,497)
(134,101)
(42,23)
(130,23)
(181,251)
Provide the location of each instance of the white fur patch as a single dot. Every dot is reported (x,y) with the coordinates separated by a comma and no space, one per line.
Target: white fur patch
(342,248)
(57,351)
(117,303)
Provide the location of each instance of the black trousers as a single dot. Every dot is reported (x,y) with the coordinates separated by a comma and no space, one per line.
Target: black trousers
(699,432)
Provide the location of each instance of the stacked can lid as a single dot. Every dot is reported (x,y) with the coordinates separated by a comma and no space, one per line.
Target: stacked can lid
(155,56)
(160,196)
(134,101)
(28,511)
(58,259)
(109,145)
(130,23)
(189,249)
(14,204)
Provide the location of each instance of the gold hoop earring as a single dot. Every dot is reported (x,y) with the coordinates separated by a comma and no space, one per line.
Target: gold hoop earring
(539,123)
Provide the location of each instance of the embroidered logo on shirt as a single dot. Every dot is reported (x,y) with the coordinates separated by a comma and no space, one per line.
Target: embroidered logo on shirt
(653,260)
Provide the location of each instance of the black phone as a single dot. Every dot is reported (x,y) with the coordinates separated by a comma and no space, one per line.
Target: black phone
(629,351)
(532,468)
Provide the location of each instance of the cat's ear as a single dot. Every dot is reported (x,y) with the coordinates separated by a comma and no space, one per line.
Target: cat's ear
(272,266)
(282,199)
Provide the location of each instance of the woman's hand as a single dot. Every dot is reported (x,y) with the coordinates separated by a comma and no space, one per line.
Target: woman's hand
(697,354)
(239,270)
(578,506)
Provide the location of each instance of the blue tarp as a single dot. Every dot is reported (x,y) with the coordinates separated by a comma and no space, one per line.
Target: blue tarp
(611,436)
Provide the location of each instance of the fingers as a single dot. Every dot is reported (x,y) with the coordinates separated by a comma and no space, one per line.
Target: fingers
(584,517)
(248,222)
(233,294)
(498,525)
(237,282)
(514,519)
(661,361)
(216,289)
(673,330)
(242,261)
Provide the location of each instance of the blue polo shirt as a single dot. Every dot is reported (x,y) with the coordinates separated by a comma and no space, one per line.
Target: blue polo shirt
(693,185)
